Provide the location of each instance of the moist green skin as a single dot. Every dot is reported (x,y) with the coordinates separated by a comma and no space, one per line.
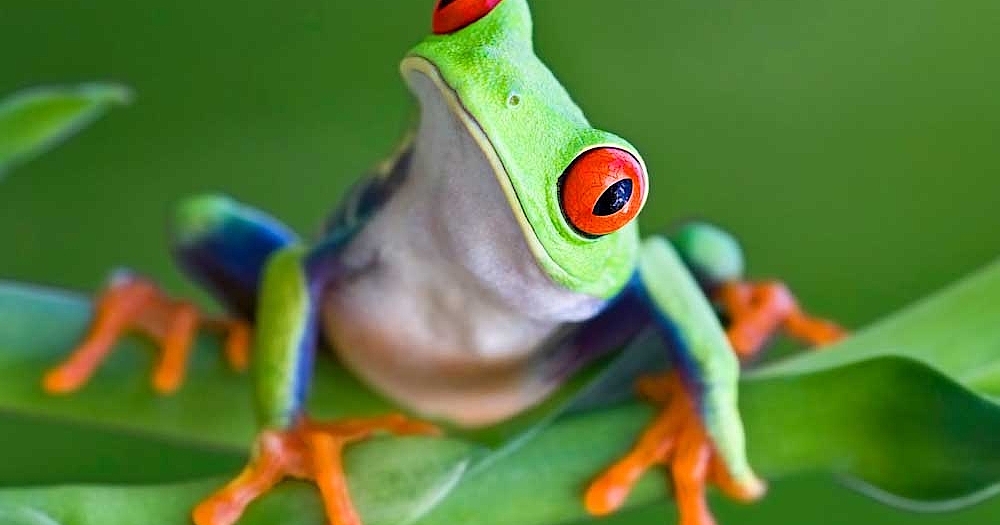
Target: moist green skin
(530,131)
(536,131)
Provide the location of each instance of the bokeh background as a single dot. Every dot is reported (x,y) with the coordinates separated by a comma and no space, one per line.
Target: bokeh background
(852,144)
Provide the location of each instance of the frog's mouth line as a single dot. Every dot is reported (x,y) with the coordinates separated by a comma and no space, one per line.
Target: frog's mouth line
(419,65)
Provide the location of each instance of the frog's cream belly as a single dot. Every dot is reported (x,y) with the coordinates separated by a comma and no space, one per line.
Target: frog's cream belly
(466,389)
(445,341)
(432,338)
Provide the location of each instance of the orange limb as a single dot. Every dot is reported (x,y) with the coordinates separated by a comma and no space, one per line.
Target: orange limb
(758,310)
(675,439)
(135,304)
(311,451)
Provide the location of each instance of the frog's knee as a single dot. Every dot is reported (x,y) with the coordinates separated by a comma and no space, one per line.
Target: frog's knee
(711,253)
(200,217)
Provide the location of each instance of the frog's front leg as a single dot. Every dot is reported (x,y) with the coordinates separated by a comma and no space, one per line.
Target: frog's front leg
(754,311)
(222,245)
(698,433)
(290,443)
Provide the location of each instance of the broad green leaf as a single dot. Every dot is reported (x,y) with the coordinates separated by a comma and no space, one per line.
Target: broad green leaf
(955,332)
(882,407)
(43,451)
(931,438)
(894,423)
(37,119)
(395,481)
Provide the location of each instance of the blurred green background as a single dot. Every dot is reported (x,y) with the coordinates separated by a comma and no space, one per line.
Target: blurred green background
(852,144)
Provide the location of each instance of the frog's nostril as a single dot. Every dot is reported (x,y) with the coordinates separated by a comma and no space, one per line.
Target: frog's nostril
(603,190)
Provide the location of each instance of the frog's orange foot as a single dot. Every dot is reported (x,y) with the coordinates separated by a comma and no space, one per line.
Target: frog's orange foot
(675,439)
(132,303)
(758,310)
(311,451)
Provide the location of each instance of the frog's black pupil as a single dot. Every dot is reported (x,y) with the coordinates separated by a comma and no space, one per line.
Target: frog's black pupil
(614,198)
(445,3)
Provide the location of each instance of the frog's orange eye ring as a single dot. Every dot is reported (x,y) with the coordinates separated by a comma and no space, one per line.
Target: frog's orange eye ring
(602,191)
(452,15)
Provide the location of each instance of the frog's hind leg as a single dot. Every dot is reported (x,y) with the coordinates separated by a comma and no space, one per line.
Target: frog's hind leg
(752,311)
(219,243)
(223,245)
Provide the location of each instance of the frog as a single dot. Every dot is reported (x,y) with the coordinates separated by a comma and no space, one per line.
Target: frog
(492,257)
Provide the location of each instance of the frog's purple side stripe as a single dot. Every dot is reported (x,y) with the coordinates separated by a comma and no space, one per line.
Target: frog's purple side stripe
(223,245)
(710,254)
(622,319)
(369,194)
(620,324)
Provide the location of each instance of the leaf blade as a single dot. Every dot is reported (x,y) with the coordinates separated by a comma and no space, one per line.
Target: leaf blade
(894,418)
(541,482)
(395,484)
(963,317)
(35,120)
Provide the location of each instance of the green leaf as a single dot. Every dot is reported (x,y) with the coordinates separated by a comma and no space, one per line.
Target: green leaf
(941,437)
(37,119)
(396,481)
(908,425)
(955,333)
(891,422)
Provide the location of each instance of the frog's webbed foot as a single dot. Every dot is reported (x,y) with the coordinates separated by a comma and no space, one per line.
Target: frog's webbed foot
(132,303)
(757,310)
(311,451)
(677,440)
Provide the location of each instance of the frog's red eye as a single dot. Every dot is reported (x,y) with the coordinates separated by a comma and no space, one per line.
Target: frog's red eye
(603,190)
(452,15)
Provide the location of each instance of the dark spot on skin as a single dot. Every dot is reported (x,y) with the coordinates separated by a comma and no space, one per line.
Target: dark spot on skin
(614,198)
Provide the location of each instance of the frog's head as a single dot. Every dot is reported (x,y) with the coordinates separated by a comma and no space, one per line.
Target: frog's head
(574,189)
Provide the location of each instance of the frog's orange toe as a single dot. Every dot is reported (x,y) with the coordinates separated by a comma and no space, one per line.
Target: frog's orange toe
(135,304)
(268,467)
(675,439)
(746,492)
(608,493)
(311,451)
(757,311)
(62,380)
(814,331)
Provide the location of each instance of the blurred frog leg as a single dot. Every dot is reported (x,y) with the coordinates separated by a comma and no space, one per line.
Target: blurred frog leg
(223,245)
(220,244)
(698,433)
(758,310)
(754,311)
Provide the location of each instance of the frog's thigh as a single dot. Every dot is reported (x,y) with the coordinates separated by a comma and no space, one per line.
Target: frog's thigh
(223,245)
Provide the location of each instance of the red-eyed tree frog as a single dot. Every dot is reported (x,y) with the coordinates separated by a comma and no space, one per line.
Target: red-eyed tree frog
(494,255)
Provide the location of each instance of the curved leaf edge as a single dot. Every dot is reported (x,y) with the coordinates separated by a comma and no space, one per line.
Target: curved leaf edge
(561,468)
(958,312)
(99,95)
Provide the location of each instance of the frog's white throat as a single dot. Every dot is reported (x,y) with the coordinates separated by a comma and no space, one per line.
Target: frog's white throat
(475,218)
(448,311)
